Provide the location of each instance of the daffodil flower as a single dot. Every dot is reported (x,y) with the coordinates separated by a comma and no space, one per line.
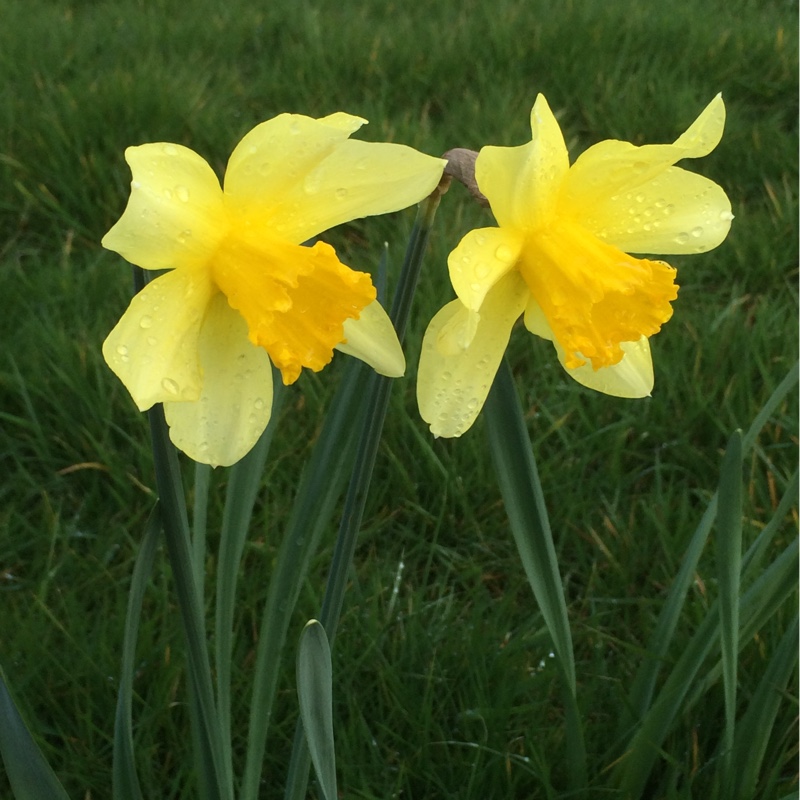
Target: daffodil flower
(240,290)
(559,258)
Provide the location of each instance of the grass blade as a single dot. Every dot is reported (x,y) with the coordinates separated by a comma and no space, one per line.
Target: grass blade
(315,693)
(758,604)
(29,774)
(752,735)
(729,558)
(518,479)
(125,780)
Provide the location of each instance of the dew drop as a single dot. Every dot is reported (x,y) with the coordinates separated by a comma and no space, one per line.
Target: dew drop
(475,286)
(504,253)
(640,198)
(146,321)
(725,216)
(167,194)
(169,150)
(252,149)
(446,376)
(258,404)
(697,232)
(183,236)
(183,194)
(482,271)
(480,239)
(169,385)
(682,238)
(341,193)
(122,350)
(668,209)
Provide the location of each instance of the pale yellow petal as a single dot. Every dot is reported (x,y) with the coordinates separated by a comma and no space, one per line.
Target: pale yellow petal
(536,322)
(613,168)
(357,179)
(175,216)
(481,259)
(233,410)
(273,158)
(153,348)
(372,339)
(677,212)
(632,377)
(452,387)
(522,183)
(705,133)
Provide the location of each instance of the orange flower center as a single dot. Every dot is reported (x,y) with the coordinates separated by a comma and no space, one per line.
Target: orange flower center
(294,299)
(593,295)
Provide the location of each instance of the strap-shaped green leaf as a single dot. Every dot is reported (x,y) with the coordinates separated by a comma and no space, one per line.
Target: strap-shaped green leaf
(29,774)
(315,693)
(518,479)
(753,732)
(729,560)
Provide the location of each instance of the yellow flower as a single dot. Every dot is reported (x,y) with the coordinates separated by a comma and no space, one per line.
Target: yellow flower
(559,257)
(240,289)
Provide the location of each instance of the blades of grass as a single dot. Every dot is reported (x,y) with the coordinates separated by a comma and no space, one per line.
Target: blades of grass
(321,485)
(28,772)
(243,484)
(641,694)
(753,732)
(644,682)
(125,780)
(758,604)
(202,479)
(729,560)
(376,404)
(315,693)
(755,553)
(176,534)
(518,479)
(775,399)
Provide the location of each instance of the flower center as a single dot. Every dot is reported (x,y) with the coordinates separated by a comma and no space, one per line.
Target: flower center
(294,299)
(593,295)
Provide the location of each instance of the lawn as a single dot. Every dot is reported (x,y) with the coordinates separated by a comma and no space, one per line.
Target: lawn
(444,680)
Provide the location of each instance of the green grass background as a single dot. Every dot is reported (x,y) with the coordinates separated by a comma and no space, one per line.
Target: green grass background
(444,684)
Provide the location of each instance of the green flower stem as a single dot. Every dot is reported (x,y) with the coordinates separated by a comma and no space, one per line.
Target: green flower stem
(377,401)
(202,479)
(243,486)
(175,520)
(176,534)
(320,487)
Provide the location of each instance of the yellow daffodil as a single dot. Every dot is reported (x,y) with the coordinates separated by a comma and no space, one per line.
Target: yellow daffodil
(240,290)
(559,258)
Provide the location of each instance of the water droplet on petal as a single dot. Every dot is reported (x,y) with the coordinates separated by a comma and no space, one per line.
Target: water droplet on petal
(122,350)
(152,341)
(341,193)
(504,253)
(482,271)
(697,232)
(259,403)
(682,238)
(725,216)
(183,193)
(169,385)
(146,321)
